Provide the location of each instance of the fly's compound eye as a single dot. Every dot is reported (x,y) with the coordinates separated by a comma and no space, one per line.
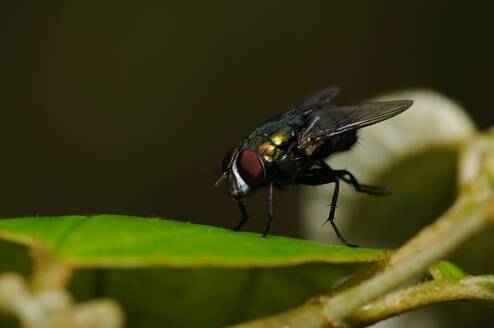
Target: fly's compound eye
(251,168)
(228,158)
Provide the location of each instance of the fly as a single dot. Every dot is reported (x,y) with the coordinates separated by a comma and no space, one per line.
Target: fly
(290,149)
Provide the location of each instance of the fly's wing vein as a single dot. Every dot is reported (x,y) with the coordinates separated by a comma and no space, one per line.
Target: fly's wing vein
(330,120)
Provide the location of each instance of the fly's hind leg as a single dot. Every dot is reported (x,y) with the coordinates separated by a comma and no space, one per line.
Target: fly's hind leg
(322,176)
(330,219)
(371,190)
(349,178)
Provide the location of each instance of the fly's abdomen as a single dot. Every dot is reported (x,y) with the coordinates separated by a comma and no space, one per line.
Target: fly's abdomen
(334,145)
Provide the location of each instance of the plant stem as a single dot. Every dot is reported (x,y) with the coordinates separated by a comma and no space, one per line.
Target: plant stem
(464,219)
(310,314)
(431,292)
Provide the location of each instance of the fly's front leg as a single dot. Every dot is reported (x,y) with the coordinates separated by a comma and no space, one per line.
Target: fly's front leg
(270,210)
(243,213)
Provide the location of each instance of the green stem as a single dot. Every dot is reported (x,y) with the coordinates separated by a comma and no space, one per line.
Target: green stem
(464,219)
(431,292)
(310,314)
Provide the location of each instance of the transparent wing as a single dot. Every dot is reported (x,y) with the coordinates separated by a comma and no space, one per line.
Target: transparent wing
(324,96)
(329,121)
(318,100)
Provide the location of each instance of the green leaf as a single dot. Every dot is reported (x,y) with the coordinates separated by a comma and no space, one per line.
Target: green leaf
(446,270)
(126,241)
(170,273)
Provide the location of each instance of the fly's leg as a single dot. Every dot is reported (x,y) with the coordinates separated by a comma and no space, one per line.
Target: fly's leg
(270,210)
(371,190)
(348,177)
(321,176)
(245,216)
(330,219)
(243,213)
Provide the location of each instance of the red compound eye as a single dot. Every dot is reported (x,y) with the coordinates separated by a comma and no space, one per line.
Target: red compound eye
(251,168)
(228,158)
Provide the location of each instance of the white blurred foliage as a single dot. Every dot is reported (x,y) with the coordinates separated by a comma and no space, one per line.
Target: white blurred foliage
(54,307)
(433,120)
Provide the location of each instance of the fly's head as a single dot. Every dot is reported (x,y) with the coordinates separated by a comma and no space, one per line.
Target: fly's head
(244,172)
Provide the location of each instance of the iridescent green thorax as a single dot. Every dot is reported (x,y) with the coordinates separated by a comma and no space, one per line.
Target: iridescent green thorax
(271,142)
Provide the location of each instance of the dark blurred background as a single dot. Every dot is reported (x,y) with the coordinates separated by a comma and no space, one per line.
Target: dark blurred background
(128,107)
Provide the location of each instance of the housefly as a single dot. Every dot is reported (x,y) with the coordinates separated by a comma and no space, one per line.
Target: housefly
(291,148)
